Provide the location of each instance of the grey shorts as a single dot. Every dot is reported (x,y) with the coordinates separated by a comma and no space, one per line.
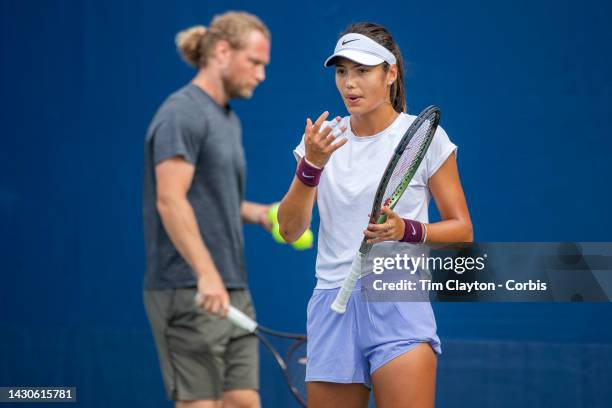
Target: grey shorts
(200,355)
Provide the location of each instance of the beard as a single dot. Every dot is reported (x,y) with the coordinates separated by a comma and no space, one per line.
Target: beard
(237,90)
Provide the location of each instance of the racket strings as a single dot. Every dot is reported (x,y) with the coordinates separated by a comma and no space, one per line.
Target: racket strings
(408,162)
(296,366)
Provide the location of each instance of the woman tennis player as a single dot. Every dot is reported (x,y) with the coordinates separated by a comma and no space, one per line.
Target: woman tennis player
(390,347)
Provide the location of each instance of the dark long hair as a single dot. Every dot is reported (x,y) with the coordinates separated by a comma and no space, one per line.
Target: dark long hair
(382,36)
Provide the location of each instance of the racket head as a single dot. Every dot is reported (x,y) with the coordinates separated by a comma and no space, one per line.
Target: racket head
(406,159)
(296,369)
(293,365)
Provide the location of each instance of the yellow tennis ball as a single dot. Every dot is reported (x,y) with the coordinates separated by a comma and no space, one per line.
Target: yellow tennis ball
(276,234)
(273,213)
(305,241)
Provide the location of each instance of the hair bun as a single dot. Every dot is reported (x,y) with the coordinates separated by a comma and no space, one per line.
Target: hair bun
(188,43)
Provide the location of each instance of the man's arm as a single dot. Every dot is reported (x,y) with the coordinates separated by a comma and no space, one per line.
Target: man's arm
(174,178)
(253,213)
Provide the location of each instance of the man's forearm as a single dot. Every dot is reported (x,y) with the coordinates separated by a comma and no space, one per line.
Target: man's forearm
(180,223)
(251,213)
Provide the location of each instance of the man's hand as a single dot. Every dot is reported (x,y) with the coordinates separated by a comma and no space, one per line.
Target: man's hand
(263,218)
(253,213)
(213,296)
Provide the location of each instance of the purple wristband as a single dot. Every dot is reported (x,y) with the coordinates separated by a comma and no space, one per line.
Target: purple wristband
(308,174)
(413,231)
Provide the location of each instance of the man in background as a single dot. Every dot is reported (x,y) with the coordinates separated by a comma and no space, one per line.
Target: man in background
(194,184)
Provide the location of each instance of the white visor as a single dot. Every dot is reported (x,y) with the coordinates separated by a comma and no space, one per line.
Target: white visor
(360,49)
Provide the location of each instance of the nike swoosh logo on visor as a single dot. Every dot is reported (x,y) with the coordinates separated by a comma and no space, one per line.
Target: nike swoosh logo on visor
(348,41)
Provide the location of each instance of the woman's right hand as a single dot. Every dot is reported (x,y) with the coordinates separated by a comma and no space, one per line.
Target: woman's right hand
(319,143)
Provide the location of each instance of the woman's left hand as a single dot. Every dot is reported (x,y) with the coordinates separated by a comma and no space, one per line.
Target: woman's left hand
(390,230)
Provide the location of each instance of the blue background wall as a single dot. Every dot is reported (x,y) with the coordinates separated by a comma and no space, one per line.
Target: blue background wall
(525,91)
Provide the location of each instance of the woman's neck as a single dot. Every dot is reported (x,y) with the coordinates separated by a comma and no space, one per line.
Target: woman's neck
(374,121)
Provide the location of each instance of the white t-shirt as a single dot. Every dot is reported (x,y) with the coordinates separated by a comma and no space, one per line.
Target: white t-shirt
(346,191)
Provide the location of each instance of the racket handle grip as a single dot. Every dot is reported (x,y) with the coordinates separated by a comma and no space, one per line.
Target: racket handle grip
(240,319)
(344,294)
(235,316)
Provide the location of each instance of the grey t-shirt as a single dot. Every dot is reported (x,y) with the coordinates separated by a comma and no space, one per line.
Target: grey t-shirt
(192,125)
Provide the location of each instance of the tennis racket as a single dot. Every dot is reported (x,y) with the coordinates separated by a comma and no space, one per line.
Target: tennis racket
(404,163)
(293,365)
